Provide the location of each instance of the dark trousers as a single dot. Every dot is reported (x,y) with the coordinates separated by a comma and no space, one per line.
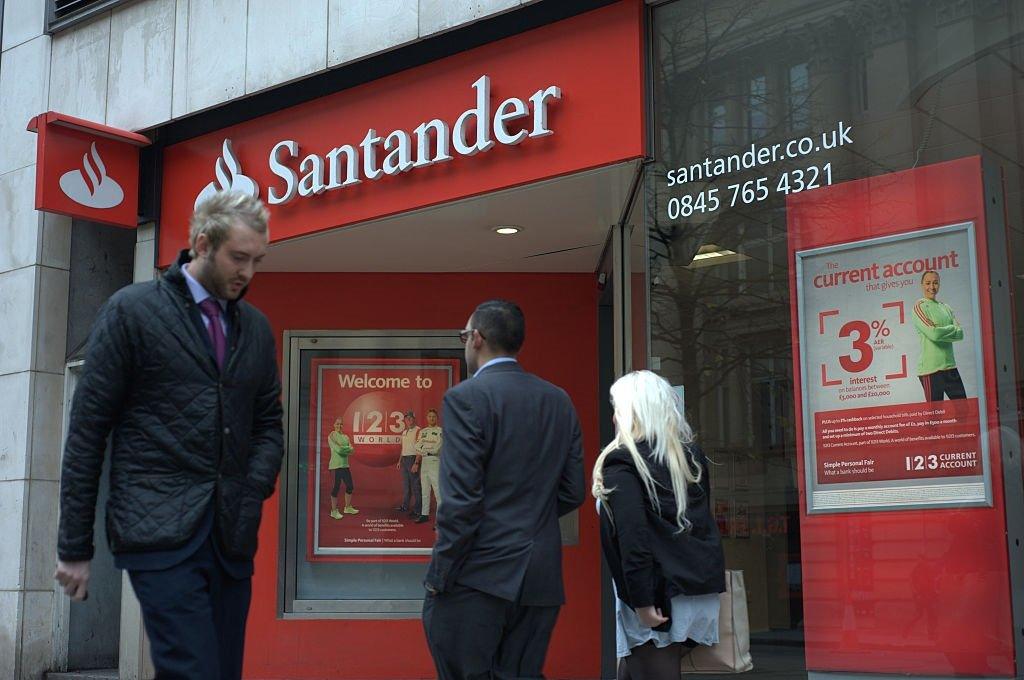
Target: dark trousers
(194,614)
(475,635)
(342,475)
(943,384)
(410,485)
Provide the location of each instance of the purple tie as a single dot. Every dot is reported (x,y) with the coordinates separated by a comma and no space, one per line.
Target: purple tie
(211,309)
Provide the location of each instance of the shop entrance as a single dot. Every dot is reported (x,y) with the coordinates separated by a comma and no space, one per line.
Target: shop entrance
(360,309)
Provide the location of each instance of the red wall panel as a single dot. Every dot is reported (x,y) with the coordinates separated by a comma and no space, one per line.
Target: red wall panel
(561,346)
(918,591)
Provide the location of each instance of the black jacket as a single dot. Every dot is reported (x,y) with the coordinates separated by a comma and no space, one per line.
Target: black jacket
(651,562)
(511,465)
(183,434)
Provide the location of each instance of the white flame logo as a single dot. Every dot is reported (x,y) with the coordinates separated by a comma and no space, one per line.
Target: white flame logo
(92,188)
(229,177)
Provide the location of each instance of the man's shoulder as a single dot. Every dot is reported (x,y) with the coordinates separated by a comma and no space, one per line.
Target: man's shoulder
(465,387)
(135,292)
(541,386)
(135,298)
(520,380)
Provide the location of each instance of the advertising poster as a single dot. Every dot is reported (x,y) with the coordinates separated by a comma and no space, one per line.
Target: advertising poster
(375,442)
(891,359)
(722,513)
(741,519)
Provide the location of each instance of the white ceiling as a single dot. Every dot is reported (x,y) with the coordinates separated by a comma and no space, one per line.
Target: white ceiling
(564,224)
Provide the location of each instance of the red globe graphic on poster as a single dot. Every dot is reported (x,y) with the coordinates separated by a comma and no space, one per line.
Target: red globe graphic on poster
(374,423)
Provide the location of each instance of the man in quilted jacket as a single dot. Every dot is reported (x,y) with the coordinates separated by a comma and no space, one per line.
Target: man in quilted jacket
(181,375)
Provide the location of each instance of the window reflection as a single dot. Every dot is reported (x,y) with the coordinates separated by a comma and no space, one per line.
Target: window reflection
(912,84)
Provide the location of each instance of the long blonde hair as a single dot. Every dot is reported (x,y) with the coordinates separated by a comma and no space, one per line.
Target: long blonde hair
(647,409)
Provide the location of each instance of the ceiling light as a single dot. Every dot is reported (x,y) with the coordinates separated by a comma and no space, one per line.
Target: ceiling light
(707,252)
(712,254)
(506,230)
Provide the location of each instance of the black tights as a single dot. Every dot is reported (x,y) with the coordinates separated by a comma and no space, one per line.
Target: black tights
(647,662)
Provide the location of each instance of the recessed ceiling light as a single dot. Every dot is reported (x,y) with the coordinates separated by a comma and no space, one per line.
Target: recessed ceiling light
(712,254)
(506,230)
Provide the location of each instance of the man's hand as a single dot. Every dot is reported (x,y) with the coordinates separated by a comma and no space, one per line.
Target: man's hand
(74,576)
(650,616)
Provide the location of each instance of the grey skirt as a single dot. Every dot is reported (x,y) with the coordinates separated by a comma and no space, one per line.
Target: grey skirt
(694,617)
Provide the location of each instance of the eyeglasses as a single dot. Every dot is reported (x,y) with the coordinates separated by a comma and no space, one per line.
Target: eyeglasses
(465,335)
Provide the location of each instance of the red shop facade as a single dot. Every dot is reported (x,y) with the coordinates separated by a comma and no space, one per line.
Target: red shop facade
(744,202)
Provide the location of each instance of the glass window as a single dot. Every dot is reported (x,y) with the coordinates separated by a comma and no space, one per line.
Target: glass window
(65,13)
(799,88)
(797,282)
(757,107)
(717,133)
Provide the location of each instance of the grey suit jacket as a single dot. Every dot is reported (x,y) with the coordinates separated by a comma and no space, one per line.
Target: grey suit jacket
(511,465)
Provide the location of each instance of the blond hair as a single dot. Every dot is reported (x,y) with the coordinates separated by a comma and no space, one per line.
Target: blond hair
(647,409)
(215,216)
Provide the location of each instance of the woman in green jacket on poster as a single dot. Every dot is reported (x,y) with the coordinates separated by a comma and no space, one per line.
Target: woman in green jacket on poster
(938,329)
(341,449)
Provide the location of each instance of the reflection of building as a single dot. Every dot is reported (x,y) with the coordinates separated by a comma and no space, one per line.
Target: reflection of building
(915,84)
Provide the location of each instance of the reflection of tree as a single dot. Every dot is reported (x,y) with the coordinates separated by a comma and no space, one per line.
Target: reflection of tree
(711,332)
(729,324)
(716,326)
(870,63)
(919,82)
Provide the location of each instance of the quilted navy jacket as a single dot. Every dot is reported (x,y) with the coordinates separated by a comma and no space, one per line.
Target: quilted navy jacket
(183,433)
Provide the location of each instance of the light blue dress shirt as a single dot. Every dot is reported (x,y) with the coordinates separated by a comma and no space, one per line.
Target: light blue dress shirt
(496,360)
(199,294)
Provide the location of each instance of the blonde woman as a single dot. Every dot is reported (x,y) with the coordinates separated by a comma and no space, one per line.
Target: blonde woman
(657,533)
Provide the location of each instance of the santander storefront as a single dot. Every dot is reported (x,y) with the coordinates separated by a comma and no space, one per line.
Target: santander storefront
(390,202)
(745,201)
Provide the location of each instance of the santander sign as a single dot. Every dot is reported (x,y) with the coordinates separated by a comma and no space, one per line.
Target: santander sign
(545,103)
(478,129)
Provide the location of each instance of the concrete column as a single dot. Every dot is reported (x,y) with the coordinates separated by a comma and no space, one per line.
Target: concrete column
(134,659)
(34,264)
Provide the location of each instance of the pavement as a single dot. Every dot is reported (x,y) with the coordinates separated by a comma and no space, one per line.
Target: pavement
(771,662)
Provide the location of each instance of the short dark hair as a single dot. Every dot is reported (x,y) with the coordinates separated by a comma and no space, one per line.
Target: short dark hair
(930,271)
(502,324)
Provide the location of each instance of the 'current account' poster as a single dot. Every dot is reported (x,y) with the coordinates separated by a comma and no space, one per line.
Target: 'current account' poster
(890,342)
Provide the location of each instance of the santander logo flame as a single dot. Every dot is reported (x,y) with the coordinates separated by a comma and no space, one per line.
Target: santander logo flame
(91,186)
(229,177)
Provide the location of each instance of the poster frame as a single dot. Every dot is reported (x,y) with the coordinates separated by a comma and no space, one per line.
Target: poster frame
(895,486)
(316,552)
(293,344)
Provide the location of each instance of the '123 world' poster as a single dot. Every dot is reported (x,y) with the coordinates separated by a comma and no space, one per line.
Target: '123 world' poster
(376,439)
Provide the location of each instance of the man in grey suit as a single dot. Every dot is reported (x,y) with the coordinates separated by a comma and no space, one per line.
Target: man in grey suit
(512,465)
